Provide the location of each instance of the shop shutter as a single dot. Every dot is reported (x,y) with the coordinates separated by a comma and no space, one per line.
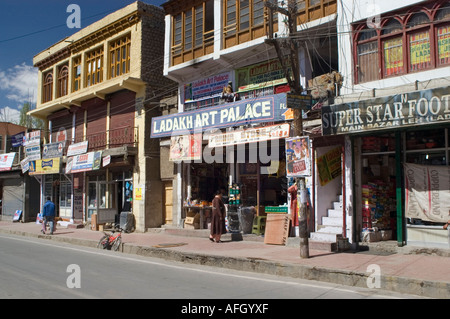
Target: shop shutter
(13,191)
(121,111)
(96,123)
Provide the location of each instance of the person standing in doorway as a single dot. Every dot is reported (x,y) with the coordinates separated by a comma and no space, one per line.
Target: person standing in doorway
(48,214)
(218,218)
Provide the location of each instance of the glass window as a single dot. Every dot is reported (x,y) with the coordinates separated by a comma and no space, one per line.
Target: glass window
(393,56)
(65,194)
(231,18)
(244,14)
(119,56)
(443,39)
(188,30)
(258,12)
(63,78)
(47,93)
(94,62)
(76,74)
(419,50)
(178,26)
(368,64)
(199,26)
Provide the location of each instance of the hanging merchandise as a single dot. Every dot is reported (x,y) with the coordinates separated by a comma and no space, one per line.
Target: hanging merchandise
(378,202)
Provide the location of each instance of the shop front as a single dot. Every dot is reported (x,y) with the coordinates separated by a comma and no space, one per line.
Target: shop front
(236,148)
(400,145)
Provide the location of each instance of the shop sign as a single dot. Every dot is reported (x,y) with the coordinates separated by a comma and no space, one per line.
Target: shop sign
(329,166)
(84,162)
(185,148)
(210,86)
(427,192)
(270,108)
(52,150)
(401,110)
(32,138)
(259,73)
(260,134)
(6,161)
(301,102)
(77,148)
(45,166)
(25,165)
(106,160)
(33,152)
(298,159)
(17,140)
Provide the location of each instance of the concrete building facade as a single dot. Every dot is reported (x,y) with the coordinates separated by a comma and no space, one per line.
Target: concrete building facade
(97,90)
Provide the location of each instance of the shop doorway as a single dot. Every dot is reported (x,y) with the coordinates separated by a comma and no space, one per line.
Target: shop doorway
(101,195)
(168,203)
(378,180)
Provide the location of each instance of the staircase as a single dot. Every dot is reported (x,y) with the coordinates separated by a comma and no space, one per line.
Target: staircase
(327,234)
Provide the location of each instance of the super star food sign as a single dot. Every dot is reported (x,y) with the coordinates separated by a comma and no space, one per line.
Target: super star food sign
(271,108)
(401,110)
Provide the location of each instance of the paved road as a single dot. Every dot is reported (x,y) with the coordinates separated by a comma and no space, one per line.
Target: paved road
(36,268)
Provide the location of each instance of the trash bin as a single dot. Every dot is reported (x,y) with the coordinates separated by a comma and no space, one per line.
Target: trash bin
(127,221)
(246,215)
(233,220)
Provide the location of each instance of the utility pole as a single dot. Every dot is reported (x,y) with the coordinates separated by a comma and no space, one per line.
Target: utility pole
(295,86)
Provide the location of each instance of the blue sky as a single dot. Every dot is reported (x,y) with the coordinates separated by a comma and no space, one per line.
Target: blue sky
(28,27)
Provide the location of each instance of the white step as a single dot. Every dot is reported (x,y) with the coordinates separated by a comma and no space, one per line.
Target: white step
(337,205)
(319,236)
(329,229)
(332,221)
(335,213)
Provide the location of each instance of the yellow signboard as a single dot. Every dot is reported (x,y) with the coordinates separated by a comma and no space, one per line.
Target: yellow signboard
(46,166)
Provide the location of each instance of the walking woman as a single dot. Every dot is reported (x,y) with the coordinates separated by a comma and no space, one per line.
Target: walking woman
(218,218)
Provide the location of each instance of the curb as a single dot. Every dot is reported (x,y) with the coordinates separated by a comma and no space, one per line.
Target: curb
(423,288)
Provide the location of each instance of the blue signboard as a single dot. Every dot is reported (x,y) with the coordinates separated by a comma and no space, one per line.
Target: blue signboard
(270,108)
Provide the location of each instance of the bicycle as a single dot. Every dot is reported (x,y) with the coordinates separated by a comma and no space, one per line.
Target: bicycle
(110,241)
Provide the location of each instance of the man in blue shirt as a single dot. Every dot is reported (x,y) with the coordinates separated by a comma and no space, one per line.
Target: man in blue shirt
(48,215)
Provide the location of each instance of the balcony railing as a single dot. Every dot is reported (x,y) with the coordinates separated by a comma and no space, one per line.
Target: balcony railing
(123,136)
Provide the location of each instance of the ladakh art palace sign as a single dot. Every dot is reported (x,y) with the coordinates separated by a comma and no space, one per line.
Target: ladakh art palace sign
(402,110)
(256,110)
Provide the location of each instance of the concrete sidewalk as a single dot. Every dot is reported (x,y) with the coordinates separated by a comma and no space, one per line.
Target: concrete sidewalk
(409,270)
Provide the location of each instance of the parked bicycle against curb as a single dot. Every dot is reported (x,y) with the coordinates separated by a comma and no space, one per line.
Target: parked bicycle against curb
(110,240)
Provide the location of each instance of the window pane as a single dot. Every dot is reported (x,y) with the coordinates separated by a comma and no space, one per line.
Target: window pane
(244,15)
(393,56)
(368,64)
(444,45)
(418,19)
(188,30)
(258,12)
(199,25)
(392,27)
(420,54)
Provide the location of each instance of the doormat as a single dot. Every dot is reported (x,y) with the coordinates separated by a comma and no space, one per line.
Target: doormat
(168,245)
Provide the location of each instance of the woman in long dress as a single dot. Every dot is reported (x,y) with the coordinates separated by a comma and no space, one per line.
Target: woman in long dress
(218,218)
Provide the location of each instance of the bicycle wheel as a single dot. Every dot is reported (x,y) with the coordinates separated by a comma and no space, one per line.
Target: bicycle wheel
(116,243)
(103,242)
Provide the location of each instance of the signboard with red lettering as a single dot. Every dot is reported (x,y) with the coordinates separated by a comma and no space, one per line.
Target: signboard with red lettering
(84,162)
(6,161)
